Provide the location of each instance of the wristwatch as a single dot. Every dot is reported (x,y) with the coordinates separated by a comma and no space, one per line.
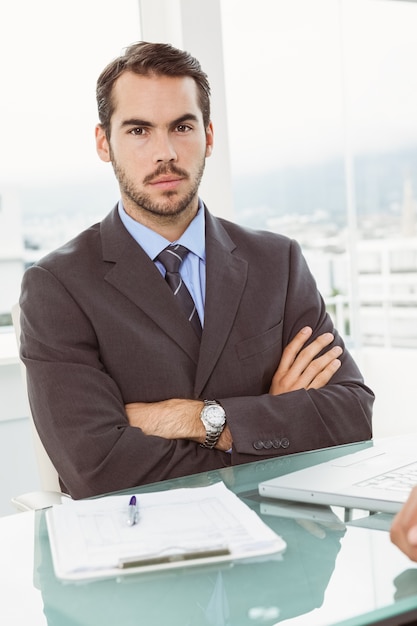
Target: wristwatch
(214,420)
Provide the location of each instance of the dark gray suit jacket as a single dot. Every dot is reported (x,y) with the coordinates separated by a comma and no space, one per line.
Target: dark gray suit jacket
(100,329)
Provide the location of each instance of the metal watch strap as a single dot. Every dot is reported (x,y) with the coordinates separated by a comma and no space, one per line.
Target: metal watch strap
(211,438)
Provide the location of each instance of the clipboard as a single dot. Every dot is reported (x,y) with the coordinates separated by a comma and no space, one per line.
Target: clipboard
(197,526)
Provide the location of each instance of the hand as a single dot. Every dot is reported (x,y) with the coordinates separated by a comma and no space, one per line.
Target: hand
(299,369)
(404,527)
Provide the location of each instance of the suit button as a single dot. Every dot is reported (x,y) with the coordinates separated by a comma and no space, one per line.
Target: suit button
(258,445)
(268,444)
(276,443)
(285,442)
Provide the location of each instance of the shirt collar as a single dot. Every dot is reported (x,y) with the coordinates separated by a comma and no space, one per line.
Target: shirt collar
(152,243)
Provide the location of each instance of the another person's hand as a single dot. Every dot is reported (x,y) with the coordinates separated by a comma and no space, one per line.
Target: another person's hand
(404,527)
(300,369)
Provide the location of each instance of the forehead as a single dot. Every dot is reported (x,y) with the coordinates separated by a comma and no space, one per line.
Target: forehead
(159,99)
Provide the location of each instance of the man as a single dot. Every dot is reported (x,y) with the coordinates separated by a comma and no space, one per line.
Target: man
(123,389)
(404,527)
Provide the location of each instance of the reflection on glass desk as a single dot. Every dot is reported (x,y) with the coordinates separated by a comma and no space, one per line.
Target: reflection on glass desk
(331,573)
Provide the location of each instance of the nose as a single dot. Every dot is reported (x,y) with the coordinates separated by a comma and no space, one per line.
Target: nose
(164,150)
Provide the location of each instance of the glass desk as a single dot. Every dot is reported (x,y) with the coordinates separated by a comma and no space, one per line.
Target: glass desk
(335,572)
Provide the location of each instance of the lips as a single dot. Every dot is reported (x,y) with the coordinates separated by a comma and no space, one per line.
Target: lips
(166,176)
(169,178)
(166,182)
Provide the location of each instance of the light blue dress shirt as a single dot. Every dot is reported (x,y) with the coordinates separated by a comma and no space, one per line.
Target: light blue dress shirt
(193,268)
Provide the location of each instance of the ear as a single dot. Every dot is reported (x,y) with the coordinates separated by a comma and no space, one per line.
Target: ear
(209,139)
(102,145)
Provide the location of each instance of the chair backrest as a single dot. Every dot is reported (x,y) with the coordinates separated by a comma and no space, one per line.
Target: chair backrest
(47,472)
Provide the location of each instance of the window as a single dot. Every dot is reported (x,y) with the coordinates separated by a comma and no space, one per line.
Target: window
(322,103)
(52,183)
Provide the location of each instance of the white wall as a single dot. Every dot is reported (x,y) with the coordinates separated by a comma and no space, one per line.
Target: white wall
(391,374)
(18,472)
(11,250)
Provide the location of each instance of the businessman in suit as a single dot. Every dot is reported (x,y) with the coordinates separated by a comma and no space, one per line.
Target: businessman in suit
(138,371)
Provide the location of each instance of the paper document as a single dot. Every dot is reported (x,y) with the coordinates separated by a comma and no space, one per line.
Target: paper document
(95,538)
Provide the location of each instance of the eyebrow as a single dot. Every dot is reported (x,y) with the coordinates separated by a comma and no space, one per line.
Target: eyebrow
(188,117)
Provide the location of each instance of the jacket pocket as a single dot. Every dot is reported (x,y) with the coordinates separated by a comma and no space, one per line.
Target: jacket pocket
(269,340)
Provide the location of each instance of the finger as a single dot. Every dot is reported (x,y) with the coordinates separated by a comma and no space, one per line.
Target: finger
(399,539)
(323,368)
(310,353)
(412,536)
(325,375)
(291,350)
(314,373)
(304,357)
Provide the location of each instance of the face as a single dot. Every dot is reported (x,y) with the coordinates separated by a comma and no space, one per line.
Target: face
(158,146)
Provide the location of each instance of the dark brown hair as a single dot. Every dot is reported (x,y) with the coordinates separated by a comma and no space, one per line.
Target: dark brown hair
(145,58)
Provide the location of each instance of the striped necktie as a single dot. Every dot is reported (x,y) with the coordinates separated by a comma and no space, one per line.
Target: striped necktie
(171,258)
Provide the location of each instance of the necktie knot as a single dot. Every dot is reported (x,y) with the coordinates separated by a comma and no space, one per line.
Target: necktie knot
(172,257)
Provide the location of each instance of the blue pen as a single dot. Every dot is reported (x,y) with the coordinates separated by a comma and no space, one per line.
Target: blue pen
(133,513)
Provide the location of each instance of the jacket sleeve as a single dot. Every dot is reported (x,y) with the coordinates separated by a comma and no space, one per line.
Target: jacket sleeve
(341,412)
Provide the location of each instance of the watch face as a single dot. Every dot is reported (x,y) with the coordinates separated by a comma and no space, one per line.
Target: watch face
(214,415)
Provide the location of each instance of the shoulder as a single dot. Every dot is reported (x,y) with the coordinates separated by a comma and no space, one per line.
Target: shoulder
(82,250)
(70,251)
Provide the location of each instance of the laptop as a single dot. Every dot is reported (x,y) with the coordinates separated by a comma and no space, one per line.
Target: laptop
(378,478)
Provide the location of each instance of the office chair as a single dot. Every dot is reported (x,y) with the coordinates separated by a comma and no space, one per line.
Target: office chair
(51,491)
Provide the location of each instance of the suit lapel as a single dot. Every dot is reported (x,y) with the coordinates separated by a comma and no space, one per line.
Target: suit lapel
(135,275)
(226,276)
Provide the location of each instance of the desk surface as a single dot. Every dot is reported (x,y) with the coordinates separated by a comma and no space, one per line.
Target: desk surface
(333,573)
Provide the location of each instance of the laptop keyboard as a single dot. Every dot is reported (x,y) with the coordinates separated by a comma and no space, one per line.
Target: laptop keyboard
(400,479)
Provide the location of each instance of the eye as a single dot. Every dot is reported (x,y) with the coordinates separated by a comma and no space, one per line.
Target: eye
(183,128)
(137,131)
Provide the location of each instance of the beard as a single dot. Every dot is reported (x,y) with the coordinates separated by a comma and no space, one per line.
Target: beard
(173,205)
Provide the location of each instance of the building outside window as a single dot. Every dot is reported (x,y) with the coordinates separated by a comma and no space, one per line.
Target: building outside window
(323,134)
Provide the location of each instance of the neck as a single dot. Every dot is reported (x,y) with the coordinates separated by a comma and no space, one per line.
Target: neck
(171,227)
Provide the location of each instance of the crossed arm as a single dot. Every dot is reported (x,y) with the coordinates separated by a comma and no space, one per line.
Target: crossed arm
(298,369)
